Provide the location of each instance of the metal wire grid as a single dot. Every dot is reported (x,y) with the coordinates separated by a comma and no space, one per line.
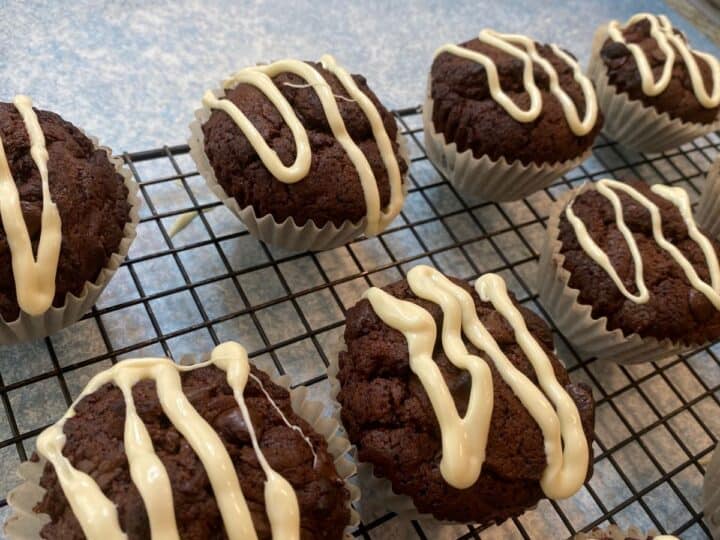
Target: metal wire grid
(656,424)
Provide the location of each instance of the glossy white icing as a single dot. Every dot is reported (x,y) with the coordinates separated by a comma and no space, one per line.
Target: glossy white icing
(34,277)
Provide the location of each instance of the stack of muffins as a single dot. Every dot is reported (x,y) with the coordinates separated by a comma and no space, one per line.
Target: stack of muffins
(451,394)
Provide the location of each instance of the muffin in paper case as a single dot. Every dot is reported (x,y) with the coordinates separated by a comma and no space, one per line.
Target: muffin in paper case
(25,524)
(485,179)
(286,234)
(631,122)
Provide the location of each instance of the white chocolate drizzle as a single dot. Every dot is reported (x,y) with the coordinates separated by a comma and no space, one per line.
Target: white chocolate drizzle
(464,439)
(34,278)
(261,78)
(97,514)
(679,198)
(523,48)
(669,42)
(181,222)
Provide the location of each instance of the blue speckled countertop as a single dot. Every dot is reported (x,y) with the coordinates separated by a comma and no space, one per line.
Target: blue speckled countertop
(132,72)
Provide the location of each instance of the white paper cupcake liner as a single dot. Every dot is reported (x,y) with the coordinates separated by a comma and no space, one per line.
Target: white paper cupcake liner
(383,497)
(629,121)
(707,214)
(588,335)
(614,532)
(711,494)
(485,179)
(25,524)
(27,327)
(286,234)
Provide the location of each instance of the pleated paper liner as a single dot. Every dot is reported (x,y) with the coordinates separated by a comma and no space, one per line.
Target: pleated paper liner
(485,179)
(28,327)
(629,121)
(615,533)
(711,494)
(590,336)
(24,524)
(707,214)
(383,497)
(286,234)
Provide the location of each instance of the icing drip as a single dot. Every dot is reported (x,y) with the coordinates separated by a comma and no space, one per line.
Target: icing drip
(182,221)
(34,278)
(97,514)
(662,31)
(679,198)
(261,78)
(523,48)
(464,439)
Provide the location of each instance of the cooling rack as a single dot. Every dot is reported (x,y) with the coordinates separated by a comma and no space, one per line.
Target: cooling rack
(179,294)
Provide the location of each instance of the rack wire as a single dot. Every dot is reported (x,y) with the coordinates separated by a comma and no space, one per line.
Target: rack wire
(656,423)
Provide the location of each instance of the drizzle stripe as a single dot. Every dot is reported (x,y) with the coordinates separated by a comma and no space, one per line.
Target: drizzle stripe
(210,450)
(147,471)
(34,279)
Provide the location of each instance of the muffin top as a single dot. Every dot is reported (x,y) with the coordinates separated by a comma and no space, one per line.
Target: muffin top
(506,96)
(650,61)
(219,453)
(652,272)
(321,146)
(63,207)
(408,376)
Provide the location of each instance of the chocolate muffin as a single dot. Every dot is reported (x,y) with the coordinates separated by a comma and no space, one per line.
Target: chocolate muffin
(388,413)
(675,309)
(680,97)
(302,166)
(96,445)
(92,210)
(467,113)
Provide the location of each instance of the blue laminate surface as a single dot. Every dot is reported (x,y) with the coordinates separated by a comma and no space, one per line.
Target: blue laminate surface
(132,72)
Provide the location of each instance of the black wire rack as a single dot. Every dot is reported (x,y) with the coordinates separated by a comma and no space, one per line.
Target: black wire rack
(177,294)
